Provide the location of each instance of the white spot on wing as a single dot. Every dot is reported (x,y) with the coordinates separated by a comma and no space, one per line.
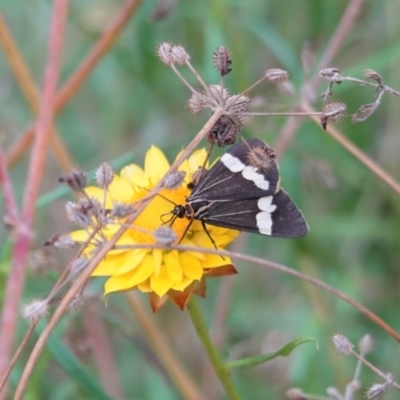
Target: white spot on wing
(250,173)
(264,220)
(232,163)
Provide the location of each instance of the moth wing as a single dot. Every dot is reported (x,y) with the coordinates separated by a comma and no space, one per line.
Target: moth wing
(232,177)
(273,215)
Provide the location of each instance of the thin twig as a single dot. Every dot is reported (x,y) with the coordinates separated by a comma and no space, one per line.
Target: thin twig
(346,23)
(11,207)
(360,155)
(30,91)
(74,83)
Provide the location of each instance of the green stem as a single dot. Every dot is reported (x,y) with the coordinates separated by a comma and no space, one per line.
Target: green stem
(202,332)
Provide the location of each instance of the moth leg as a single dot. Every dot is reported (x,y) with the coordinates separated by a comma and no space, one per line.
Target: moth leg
(208,234)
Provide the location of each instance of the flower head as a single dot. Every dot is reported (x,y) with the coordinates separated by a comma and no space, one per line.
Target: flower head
(163,273)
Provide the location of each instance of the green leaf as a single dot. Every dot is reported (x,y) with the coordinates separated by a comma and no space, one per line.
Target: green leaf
(284,351)
(71,366)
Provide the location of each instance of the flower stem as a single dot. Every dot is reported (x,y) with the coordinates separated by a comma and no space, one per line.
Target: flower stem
(202,332)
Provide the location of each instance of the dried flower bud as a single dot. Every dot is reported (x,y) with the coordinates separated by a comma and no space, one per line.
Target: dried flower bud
(236,104)
(60,242)
(174,180)
(165,235)
(276,75)
(295,394)
(82,212)
(75,179)
(179,55)
(196,103)
(164,52)
(365,344)
(78,265)
(104,175)
(38,259)
(222,60)
(334,393)
(121,210)
(371,74)
(364,112)
(218,95)
(35,310)
(332,112)
(332,74)
(342,344)
(261,157)
(376,391)
(75,304)
(225,130)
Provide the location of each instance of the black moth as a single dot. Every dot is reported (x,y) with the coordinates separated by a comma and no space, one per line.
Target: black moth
(241,191)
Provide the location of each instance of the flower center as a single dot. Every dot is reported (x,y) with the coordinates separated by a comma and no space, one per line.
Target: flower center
(159,212)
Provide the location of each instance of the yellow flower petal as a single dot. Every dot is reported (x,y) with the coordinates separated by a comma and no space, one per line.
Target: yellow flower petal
(121,190)
(161,283)
(180,287)
(173,267)
(191,266)
(157,258)
(144,286)
(135,176)
(144,272)
(135,257)
(155,164)
(118,283)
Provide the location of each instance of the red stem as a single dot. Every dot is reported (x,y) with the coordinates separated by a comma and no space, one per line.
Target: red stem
(74,83)
(23,239)
(11,208)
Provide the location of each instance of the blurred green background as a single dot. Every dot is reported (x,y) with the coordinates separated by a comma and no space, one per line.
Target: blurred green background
(132,100)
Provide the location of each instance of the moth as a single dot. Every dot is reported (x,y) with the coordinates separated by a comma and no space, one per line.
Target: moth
(241,191)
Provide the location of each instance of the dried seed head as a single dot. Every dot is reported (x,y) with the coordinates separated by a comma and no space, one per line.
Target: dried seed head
(236,104)
(174,180)
(377,391)
(332,74)
(164,52)
(82,212)
(276,75)
(179,55)
(334,393)
(121,210)
(371,74)
(261,157)
(104,175)
(332,112)
(78,265)
(165,236)
(342,344)
(222,60)
(196,103)
(218,95)
(364,112)
(365,344)
(75,179)
(60,242)
(38,259)
(225,130)
(35,310)
(75,304)
(295,394)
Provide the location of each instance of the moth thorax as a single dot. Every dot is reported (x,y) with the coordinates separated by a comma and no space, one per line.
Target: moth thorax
(261,157)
